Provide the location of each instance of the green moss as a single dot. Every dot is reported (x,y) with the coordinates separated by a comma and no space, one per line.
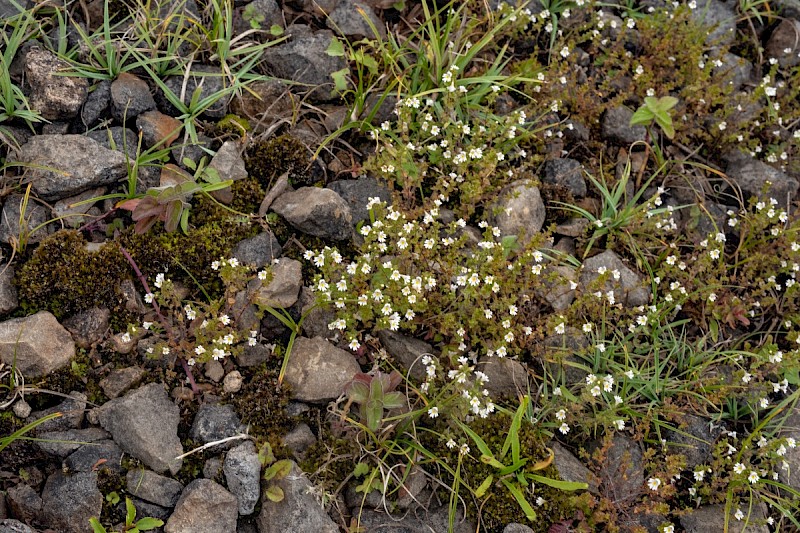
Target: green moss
(262,405)
(230,126)
(266,160)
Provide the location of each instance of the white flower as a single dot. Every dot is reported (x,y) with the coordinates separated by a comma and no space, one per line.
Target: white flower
(433,412)
(561,415)
(738,468)
(620,424)
(739,514)
(564,428)
(159,280)
(262,275)
(464,450)
(147,325)
(224,320)
(148,298)
(653,483)
(125,337)
(451,444)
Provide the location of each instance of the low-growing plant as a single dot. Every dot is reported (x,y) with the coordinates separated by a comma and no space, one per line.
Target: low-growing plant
(374,394)
(131,525)
(275,470)
(13,102)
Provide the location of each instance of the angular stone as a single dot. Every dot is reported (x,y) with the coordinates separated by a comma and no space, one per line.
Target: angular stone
(72,211)
(72,411)
(64,165)
(299,440)
(752,175)
(34,225)
(355,19)
(14,526)
(118,382)
(559,292)
(204,507)
(258,251)
(521,211)
(70,500)
(283,289)
(24,502)
(623,470)
(144,423)
(712,518)
(303,59)
(358,192)
(268,101)
(154,488)
(616,127)
(8,291)
(298,511)
(242,469)
(88,327)
(407,351)
(318,212)
(719,17)
(507,378)
(214,371)
(215,422)
(96,104)
(694,439)
(570,468)
(96,456)
(628,291)
(130,96)
(36,344)
(64,443)
(567,173)
(208,78)
(319,371)
(54,97)
(158,129)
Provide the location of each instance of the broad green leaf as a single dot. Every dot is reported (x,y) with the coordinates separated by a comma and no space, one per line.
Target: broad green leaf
(340,80)
(479,442)
(483,487)
(274,493)
(130,511)
(666,126)
(97,527)
(275,29)
(361,469)
(336,48)
(265,455)
(394,400)
(642,117)
(148,523)
(530,514)
(278,470)
(490,460)
(358,392)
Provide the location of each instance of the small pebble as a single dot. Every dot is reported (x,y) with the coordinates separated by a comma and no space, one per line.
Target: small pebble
(232,382)
(21,409)
(214,371)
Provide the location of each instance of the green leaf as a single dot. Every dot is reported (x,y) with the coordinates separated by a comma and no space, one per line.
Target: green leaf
(483,487)
(97,527)
(274,493)
(340,79)
(479,442)
(713,329)
(148,523)
(530,514)
(642,117)
(490,460)
(130,511)
(275,30)
(358,392)
(559,484)
(361,470)
(666,125)
(265,455)
(336,48)
(112,498)
(394,400)
(280,469)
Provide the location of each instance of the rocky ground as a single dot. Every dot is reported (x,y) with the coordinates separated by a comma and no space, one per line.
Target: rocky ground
(123,405)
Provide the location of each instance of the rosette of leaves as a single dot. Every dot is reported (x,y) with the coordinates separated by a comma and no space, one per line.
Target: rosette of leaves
(131,524)
(374,394)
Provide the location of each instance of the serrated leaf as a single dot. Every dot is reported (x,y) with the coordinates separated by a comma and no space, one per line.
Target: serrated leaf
(274,493)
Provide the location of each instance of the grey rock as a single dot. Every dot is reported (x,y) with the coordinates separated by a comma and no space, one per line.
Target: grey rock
(517,528)
(214,371)
(130,96)
(228,162)
(70,500)
(116,138)
(253,355)
(616,127)
(204,507)
(208,78)
(36,344)
(303,59)
(96,456)
(564,348)
(350,19)
(575,131)
(75,215)
(68,164)
(567,173)
(154,488)
(318,7)
(788,8)
(412,489)
(9,9)
(212,468)
(54,97)
(284,287)
(319,371)
(21,409)
(144,508)
(270,101)
(258,251)
(521,211)
(63,443)
(118,382)
(318,212)
(385,107)
(299,510)
(752,175)
(507,377)
(317,318)
(266,13)
(144,423)
(299,440)
(406,351)
(14,526)
(738,70)
(194,151)
(72,411)
(233,382)
(96,103)
(694,440)
(24,502)
(33,228)
(712,518)
(627,291)
(436,519)
(623,470)
(242,470)
(358,192)
(570,468)
(8,291)
(88,327)
(358,500)
(719,17)
(559,292)
(784,43)
(215,422)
